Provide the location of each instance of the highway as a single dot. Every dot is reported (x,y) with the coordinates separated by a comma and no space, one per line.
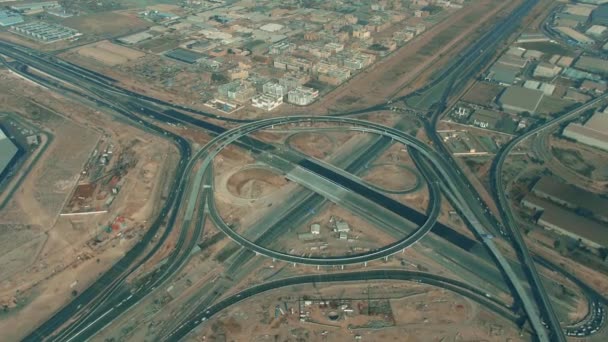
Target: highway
(176,116)
(498,186)
(388,274)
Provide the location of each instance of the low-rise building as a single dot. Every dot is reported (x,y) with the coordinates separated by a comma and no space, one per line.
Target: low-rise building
(275,89)
(315,229)
(8,151)
(342,227)
(575,35)
(593,133)
(8,18)
(546,70)
(239,91)
(576,96)
(267,102)
(518,99)
(593,86)
(566,222)
(237,74)
(302,96)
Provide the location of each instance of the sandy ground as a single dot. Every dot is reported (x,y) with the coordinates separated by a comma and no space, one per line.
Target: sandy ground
(109,54)
(407,311)
(56,253)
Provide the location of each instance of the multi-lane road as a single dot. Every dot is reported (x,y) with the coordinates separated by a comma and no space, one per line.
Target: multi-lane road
(136,104)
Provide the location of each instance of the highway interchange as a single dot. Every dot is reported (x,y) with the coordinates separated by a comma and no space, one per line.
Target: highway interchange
(102,92)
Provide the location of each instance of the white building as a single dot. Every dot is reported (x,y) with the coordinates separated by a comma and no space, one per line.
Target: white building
(315,229)
(273,88)
(266,101)
(302,96)
(342,227)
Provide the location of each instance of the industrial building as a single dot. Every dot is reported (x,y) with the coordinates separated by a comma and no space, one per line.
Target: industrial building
(35,6)
(571,196)
(8,151)
(503,74)
(575,35)
(135,38)
(599,16)
(184,55)
(302,96)
(546,70)
(566,222)
(46,32)
(518,99)
(8,18)
(267,102)
(593,133)
(592,64)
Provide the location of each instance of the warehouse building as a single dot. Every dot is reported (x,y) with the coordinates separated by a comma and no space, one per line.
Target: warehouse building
(518,99)
(566,222)
(593,133)
(592,64)
(546,70)
(571,196)
(184,55)
(599,16)
(8,18)
(503,74)
(8,151)
(575,35)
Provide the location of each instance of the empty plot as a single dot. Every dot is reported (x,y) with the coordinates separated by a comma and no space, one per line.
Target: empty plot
(110,54)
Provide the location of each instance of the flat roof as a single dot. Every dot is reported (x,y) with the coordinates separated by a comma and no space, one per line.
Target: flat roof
(184,55)
(8,150)
(568,220)
(592,64)
(524,98)
(575,196)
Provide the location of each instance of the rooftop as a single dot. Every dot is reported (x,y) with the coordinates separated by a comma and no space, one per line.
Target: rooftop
(526,99)
(568,220)
(574,196)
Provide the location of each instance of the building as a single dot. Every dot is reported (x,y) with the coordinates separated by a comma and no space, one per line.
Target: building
(546,70)
(293,80)
(46,32)
(237,74)
(342,227)
(592,64)
(576,96)
(518,99)
(8,151)
(513,61)
(532,37)
(503,74)
(575,35)
(593,133)
(566,222)
(306,236)
(596,30)
(599,16)
(267,102)
(273,88)
(8,18)
(35,6)
(592,86)
(239,91)
(135,38)
(571,196)
(281,48)
(302,96)
(184,55)
(315,229)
